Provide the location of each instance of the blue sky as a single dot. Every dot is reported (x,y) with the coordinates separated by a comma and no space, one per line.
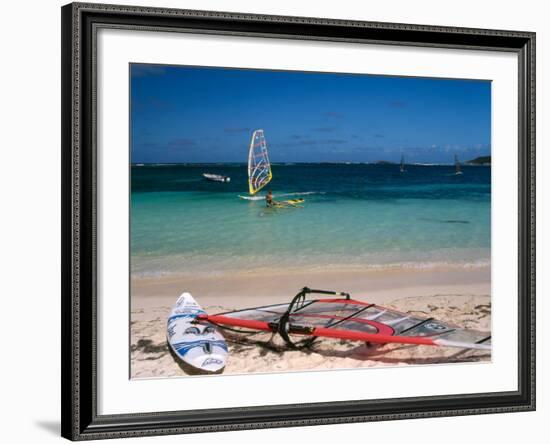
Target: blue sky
(196,114)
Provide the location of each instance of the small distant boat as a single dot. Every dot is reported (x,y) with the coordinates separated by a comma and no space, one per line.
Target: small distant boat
(402,165)
(216,177)
(457,166)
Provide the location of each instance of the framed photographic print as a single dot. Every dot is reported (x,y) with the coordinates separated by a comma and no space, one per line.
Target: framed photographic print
(278,221)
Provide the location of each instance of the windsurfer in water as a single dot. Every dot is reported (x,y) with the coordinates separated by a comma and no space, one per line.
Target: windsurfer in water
(269,199)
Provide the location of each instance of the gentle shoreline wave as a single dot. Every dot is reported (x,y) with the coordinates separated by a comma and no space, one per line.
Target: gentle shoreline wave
(351,268)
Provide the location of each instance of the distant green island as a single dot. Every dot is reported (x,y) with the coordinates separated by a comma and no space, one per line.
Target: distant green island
(482,160)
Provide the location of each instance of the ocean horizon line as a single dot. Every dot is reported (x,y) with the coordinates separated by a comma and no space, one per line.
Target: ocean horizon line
(378,163)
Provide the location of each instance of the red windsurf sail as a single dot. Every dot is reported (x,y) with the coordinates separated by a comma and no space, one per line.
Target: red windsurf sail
(348,319)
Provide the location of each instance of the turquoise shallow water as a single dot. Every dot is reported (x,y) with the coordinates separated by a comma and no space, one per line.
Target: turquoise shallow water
(355,215)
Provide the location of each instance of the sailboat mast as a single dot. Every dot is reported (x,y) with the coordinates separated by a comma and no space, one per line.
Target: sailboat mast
(457,165)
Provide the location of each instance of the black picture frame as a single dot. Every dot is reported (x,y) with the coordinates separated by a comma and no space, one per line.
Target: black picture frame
(79,385)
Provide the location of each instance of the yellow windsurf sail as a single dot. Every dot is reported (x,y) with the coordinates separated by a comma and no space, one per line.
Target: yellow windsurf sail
(259,168)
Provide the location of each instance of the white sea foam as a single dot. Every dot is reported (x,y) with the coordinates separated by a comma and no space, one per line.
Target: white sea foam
(212,267)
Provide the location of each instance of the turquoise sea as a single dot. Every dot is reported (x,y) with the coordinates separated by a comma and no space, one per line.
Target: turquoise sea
(354,215)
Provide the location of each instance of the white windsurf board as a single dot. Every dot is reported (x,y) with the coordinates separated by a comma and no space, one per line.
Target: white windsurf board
(199,345)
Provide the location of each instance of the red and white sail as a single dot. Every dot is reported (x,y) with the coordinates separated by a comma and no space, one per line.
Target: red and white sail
(353,320)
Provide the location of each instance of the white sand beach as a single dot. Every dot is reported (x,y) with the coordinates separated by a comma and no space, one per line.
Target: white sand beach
(460,296)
